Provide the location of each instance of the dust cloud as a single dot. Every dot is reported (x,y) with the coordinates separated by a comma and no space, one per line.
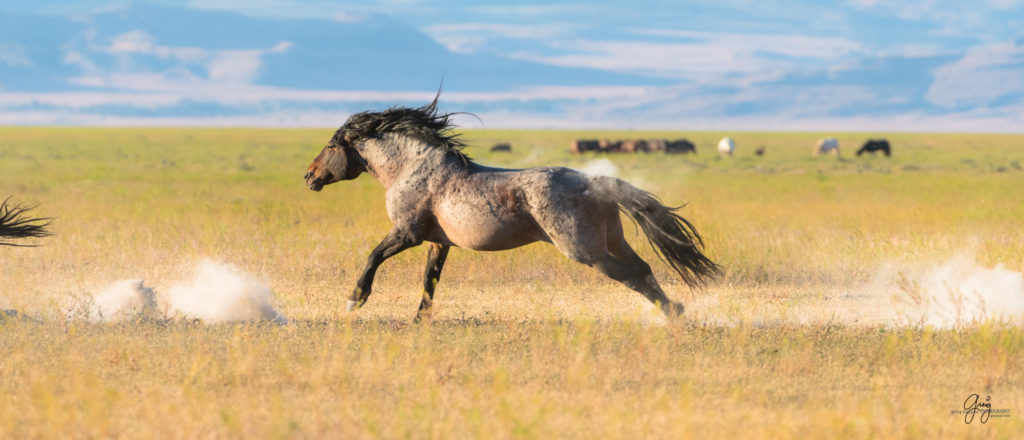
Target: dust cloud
(220,292)
(217,292)
(123,300)
(600,167)
(954,293)
(959,292)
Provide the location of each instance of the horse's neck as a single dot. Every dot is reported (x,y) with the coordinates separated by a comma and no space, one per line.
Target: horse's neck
(391,157)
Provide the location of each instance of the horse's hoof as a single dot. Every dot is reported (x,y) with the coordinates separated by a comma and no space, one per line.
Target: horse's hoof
(674,311)
(352,305)
(423,317)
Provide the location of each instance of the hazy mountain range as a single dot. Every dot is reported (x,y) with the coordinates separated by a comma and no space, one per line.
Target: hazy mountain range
(555,65)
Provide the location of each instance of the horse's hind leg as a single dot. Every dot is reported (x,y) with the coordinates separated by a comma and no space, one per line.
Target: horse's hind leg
(600,244)
(435,262)
(628,268)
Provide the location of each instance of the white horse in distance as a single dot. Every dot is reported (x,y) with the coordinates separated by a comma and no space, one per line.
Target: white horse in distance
(826,145)
(726,146)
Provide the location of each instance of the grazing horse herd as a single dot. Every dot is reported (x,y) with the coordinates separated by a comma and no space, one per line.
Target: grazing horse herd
(678,146)
(726,146)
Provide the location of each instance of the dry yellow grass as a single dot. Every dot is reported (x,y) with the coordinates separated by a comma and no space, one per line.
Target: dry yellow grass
(487,378)
(525,344)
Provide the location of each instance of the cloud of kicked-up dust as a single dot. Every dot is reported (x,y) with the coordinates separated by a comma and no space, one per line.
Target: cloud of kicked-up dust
(217,292)
(955,293)
(600,167)
(605,167)
(121,301)
(960,292)
(949,294)
(220,292)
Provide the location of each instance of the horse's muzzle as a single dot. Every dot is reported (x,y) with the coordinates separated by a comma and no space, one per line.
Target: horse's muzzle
(314,183)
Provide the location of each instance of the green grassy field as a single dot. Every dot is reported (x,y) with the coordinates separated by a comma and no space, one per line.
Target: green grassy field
(803,335)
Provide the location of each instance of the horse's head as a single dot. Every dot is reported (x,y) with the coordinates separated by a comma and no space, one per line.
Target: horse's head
(337,161)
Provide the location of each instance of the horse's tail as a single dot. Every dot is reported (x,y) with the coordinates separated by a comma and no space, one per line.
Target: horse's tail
(14,223)
(673,238)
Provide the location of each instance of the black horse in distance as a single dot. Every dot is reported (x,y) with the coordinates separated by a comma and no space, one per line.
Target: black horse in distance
(876,145)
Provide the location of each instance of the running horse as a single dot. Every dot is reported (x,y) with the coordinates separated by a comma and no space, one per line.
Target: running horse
(436,194)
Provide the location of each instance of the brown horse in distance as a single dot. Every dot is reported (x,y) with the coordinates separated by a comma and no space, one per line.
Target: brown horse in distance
(436,194)
(502,147)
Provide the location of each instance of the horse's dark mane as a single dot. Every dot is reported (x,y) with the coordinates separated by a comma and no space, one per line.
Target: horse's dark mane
(425,124)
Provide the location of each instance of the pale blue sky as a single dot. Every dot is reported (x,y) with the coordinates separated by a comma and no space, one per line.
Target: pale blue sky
(858,65)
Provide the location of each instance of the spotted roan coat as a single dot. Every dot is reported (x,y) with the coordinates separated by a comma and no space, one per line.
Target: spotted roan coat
(436,194)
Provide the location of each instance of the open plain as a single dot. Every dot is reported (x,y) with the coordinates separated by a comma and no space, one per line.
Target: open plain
(861,296)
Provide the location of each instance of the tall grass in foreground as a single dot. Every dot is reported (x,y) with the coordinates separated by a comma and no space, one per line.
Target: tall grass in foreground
(792,341)
(478,378)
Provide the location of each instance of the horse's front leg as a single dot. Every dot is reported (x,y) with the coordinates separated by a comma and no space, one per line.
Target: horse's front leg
(435,262)
(396,241)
